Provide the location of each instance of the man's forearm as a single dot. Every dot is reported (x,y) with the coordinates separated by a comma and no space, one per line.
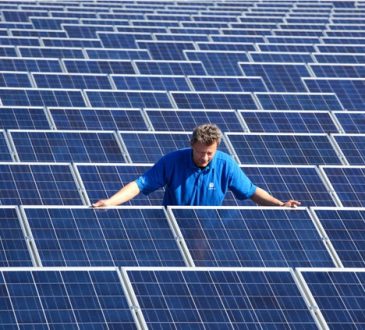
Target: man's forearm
(125,194)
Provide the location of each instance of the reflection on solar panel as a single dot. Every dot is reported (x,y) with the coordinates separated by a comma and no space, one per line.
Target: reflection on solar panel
(251,237)
(112,237)
(122,40)
(170,67)
(186,120)
(281,57)
(302,183)
(352,146)
(51,52)
(219,299)
(97,119)
(14,79)
(299,101)
(154,83)
(289,121)
(99,66)
(351,121)
(67,298)
(65,146)
(350,91)
(23,118)
(102,181)
(13,249)
(344,228)
(210,100)
(26,184)
(339,295)
(41,97)
(128,99)
(348,183)
(219,63)
(166,50)
(30,65)
(228,84)
(285,149)
(338,71)
(118,54)
(75,81)
(278,77)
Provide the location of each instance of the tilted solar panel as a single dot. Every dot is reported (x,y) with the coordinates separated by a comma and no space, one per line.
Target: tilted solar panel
(117,54)
(38,33)
(5,152)
(338,71)
(181,37)
(340,58)
(351,121)
(14,248)
(8,51)
(292,48)
(51,52)
(98,66)
(352,146)
(14,79)
(123,39)
(229,46)
(344,228)
(30,64)
(285,149)
(74,42)
(19,41)
(278,57)
(238,39)
(358,49)
(67,146)
(170,67)
(23,118)
(64,298)
(81,236)
(85,31)
(289,121)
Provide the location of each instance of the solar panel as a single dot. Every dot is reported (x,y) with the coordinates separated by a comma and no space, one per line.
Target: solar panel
(187,120)
(14,248)
(128,99)
(350,34)
(299,101)
(248,31)
(230,46)
(219,63)
(293,39)
(170,67)
(245,38)
(143,27)
(180,37)
(251,237)
(344,228)
(285,149)
(72,81)
(166,50)
(40,183)
(51,52)
(278,77)
(85,31)
(64,298)
(14,79)
(118,54)
(359,49)
(37,33)
(227,84)
(340,58)
(151,82)
(351,121)
(338,71)
(352,146)
(71,42)
(23,118)
(67,146)
(292,48)
(219,298)
(54,23)
(19,41)
(348,90)
(82,236)
(338,295)
(123,40)
(97,119)
(102,181)
(98,66)
(296,33)
(281,57)
(216,100)
(289,121)
(302,183)
(41,97)
(30,65)
(7,51)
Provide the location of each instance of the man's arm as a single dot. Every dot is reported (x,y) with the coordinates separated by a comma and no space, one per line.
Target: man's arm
(125,194)
(263,198)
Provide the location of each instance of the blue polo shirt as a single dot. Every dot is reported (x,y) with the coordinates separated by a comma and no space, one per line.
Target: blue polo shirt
(187,184)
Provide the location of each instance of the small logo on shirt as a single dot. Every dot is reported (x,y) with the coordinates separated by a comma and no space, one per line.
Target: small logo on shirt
(211,186)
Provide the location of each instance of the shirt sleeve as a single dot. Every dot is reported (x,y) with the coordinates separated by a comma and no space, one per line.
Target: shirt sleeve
(153,178)
(240,184)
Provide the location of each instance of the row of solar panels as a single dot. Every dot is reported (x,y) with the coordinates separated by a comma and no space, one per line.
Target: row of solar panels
(182,298)
(182,236)
(149,147)
(81,184)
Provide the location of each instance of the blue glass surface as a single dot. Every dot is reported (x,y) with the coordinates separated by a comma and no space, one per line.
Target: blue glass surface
(23,118)
(123,40)
(351,122)
(338,71)
(353,148)
(99,66)
(14,79)
(170,68)
(32,65)
(52,52)
(163,50)
(118,54)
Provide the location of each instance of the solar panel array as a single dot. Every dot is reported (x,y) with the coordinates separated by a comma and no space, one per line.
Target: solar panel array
(92,93)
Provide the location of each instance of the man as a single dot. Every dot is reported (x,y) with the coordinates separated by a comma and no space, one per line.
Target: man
(200,175)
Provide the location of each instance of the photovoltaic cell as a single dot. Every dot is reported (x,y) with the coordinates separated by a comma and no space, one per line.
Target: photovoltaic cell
(64,299)
(352,146)
(344,228)
(288,122)
(285,149)
(251,237)
(278,77)
(14,79)
(37,184)
(187,120)
(348,183)
(38,33)
(210,100)
(13,248)
(302,183)
(339,296)
(65,146)
(219,299)
(97,119)
(170,67)
(23,118)
(351,121)
(102,181)
(99,66)
(299,101)
(110,237)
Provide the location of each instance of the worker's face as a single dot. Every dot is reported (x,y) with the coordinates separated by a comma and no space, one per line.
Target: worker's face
(203,154)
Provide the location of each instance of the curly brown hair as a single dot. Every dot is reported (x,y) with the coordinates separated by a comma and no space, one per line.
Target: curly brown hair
(206,134)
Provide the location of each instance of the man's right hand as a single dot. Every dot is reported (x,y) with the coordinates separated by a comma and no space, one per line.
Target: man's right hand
(101,203)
